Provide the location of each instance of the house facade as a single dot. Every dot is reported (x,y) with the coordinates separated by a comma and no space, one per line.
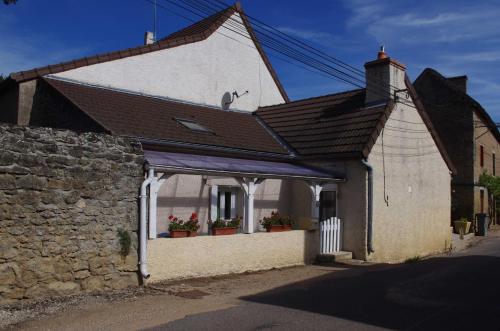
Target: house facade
(470,136)
(222,139)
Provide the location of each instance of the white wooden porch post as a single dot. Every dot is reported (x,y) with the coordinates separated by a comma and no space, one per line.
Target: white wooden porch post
(315,194)
(214,190)
(249,185)
(153,198)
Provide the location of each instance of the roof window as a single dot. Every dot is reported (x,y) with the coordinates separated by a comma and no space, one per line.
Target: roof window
(193,126)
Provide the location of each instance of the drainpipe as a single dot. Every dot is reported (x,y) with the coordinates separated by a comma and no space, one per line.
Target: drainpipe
(143,236)
(369,231)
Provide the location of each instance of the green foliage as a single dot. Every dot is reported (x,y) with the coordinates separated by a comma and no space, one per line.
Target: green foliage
(125,242)
(492,183)
(275,219)
(413,259)
(220,223)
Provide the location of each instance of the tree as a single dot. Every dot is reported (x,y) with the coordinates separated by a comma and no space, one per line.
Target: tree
(2,78)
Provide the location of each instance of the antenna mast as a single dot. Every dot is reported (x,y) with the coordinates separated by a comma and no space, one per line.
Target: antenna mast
(154,18)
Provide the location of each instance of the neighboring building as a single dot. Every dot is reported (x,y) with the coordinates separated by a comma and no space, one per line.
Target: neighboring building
(351,154)
(469,135)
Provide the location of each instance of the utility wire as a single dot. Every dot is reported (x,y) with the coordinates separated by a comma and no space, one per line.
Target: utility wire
(272,43)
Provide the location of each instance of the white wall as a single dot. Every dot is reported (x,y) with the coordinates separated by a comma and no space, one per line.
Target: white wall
(200,72)
(416,220)
(217,255)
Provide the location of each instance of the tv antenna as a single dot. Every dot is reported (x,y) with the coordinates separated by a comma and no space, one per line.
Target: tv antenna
(154,19)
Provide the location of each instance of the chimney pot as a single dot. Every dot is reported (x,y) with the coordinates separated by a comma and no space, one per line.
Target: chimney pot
(382,54)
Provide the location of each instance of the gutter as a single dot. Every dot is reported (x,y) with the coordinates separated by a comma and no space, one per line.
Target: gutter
(369,231)
(143,236)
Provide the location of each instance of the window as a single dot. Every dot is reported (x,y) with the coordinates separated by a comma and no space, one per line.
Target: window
(223,202)
(494,164)
(481,156)
(481,200)
(192,125)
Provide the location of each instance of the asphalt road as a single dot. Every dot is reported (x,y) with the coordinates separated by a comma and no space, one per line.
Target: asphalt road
(457,292)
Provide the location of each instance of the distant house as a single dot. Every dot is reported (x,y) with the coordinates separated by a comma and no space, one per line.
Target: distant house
(221,138)
(469,135)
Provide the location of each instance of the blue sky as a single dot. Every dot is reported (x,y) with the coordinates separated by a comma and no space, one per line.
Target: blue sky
(454,37)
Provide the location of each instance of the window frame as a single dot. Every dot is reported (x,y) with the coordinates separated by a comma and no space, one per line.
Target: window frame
(199,128)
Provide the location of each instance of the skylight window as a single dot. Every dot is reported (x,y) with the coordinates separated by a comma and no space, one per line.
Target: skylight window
(193,126)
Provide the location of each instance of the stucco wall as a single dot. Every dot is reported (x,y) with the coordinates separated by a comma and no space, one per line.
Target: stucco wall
(351,203)
(200,72)
(218,255)
(416,219)
(182,195)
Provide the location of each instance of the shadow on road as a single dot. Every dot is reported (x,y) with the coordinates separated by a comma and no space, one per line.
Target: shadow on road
(439,293)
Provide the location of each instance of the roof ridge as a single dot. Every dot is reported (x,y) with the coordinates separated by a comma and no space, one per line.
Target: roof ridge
(310,98)
(150,96)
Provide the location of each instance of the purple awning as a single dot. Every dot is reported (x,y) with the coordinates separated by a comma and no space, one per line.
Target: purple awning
(204,164)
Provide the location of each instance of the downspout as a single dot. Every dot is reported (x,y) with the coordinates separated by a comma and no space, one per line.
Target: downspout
(143,236)
(369,231)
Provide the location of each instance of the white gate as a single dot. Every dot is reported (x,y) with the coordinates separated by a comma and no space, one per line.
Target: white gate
(330,235)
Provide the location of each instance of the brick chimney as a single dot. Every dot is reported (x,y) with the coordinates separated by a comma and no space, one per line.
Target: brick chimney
(383,77)
(459,81)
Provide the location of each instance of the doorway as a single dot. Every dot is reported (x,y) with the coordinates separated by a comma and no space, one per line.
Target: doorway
(327,205)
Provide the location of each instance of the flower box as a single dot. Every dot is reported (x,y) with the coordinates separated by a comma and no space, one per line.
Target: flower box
(224,231)
(279,228)
(179,233)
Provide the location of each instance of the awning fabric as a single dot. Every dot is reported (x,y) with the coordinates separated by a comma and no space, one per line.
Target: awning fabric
(204,164)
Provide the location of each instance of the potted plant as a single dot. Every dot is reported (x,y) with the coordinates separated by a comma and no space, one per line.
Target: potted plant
(177,227)
(222,227)
(462,226)
(180,229)
(192,225)
(276,222)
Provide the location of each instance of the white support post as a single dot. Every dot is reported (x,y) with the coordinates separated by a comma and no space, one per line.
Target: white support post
(153,199)
(214,191)
(233,203)
(222,204)
(315,194)
(249,186)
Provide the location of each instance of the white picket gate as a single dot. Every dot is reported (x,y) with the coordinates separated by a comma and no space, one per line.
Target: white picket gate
(330,235)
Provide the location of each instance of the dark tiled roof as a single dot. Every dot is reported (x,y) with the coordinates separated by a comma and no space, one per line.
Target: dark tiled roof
(331,125)
(430,76)
(193,33)
(140,116)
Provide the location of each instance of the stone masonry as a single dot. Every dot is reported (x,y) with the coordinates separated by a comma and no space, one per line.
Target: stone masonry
(63,198)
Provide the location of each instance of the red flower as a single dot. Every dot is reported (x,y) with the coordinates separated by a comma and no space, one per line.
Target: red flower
(171,217)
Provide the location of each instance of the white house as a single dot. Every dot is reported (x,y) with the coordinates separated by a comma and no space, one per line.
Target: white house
(221,138)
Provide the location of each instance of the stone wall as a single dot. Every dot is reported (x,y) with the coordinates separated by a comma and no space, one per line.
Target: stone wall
(63,197)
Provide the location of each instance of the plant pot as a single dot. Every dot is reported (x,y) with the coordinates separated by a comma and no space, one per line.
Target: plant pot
(223,231)
(279,228)
(179,233)
(192,233)
(462,227)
